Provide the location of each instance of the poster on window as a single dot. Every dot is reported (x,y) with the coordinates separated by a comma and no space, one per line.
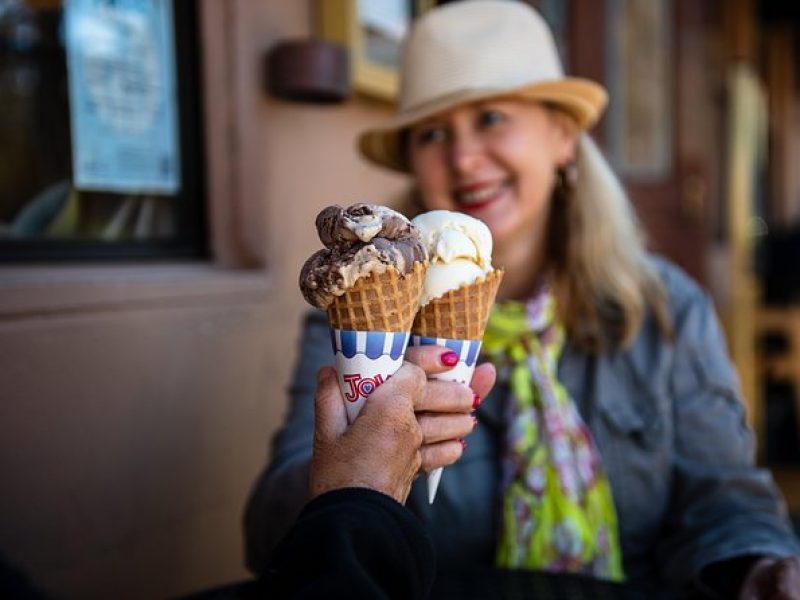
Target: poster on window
(123,95)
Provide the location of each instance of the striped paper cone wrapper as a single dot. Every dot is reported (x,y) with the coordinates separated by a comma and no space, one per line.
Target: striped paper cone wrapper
(467,351)
(364,360)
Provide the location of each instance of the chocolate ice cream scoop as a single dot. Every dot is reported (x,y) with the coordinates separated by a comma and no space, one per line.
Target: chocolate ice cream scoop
(337,226)
(359,240)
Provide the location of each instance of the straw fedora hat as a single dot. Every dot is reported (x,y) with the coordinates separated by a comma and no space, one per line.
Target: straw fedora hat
(473,50)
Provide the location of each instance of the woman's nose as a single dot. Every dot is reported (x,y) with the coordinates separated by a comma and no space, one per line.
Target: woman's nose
(466,152)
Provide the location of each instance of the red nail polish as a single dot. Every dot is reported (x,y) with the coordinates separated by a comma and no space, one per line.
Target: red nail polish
(474,421)
(476,401)
(463,444)
(449,359)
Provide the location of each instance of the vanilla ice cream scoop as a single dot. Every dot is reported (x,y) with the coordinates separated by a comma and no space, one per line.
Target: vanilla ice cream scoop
(459,249)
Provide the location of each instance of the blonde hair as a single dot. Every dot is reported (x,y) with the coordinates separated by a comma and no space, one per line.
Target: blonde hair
(603,279)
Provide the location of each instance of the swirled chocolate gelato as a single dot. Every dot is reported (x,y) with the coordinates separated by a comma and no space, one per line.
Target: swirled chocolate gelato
(359,240)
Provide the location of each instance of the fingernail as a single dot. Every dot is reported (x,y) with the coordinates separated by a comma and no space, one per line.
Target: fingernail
(474,421)
(449,359)
(476,401)
(463,443)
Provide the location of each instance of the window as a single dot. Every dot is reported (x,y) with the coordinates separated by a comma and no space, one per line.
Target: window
(100,131)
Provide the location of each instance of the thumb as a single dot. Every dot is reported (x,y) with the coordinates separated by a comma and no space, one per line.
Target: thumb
(330,415)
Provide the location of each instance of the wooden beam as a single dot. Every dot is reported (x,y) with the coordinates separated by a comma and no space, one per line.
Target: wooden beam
(779,43)
(741,33)
(586,34)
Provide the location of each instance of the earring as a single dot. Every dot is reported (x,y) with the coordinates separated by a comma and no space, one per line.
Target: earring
(567,177)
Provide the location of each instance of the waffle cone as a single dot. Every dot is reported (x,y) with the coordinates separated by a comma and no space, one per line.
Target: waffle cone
(459,314)
(384,301)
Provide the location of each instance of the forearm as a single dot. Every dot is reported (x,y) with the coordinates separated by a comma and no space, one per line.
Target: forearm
(721,510)
(723,506)
(700,555)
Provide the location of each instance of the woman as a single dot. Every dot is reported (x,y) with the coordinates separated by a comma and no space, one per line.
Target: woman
(616,445)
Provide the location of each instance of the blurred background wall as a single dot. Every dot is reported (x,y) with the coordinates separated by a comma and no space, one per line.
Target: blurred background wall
(145,349)
(138,399)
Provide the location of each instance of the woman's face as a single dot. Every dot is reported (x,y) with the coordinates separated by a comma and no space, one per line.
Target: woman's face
(495,160)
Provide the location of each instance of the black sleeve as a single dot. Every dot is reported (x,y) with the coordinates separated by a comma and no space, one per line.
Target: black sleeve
(353,543)
(16,584)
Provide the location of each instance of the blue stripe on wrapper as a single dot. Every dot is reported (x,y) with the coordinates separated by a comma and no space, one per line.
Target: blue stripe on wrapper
(348,341)
(454,345)
(467,350)
(373,344)
(399,344)
(472,354)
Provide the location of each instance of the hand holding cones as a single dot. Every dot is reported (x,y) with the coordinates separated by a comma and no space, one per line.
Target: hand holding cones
(371,278)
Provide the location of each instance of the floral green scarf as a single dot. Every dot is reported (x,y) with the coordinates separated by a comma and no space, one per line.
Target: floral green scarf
(558,512)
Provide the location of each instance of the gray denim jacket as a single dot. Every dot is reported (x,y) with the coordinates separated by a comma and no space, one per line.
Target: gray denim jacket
(668,420)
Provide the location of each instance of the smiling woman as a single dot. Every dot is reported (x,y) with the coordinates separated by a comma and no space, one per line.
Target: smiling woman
(615,445)
(495,160)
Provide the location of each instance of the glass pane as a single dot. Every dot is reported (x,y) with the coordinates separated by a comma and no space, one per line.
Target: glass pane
(383,24)
(90,131)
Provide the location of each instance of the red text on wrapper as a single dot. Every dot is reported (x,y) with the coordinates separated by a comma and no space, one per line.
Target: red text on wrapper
(361,386)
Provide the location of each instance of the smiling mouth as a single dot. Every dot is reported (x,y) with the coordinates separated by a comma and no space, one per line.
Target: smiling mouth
(476,199)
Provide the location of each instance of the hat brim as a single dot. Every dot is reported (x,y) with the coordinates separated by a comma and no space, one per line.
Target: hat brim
(583,99)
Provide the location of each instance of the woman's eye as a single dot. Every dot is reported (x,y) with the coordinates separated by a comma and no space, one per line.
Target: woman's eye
(490,117)
(430,135)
